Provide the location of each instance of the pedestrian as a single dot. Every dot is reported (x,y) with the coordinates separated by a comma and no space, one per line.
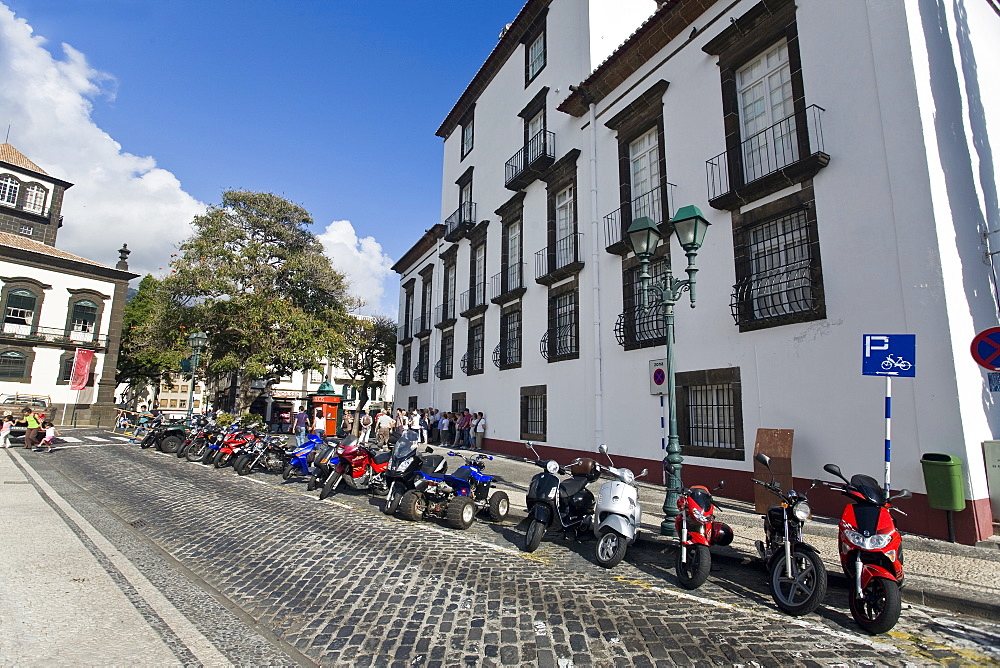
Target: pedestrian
(32,422)
(366,427)
(5,427)
(319,424)
(347,424)
(480,430)
(452,430)
(384,423)
(464,423)
(424,424)
(401,422)
(286,421)
(301,426)
(443,425)
(435,424)
(414,423)
(50,437)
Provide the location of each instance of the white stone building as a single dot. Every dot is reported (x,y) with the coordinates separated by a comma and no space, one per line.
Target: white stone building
(842,153)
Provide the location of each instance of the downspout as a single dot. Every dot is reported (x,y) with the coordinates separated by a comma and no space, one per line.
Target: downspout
(595,255)
(437,282)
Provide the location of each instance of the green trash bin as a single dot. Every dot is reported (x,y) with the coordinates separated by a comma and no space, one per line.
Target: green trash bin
(943,478)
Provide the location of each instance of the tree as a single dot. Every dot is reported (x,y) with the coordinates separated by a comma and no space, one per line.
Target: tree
(370,349)
(258,283)
(152,344)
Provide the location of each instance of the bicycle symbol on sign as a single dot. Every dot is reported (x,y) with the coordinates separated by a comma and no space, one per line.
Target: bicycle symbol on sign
(895,362)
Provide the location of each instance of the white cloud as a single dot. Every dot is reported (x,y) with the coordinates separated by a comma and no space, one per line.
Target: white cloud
(117,197)
(363,262)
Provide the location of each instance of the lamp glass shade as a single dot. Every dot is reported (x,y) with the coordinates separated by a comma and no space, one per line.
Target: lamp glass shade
(643,235)
(197,340)
(690,227)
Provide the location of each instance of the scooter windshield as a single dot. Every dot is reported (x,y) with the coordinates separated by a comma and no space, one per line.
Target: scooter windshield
(404,449)
(869,488)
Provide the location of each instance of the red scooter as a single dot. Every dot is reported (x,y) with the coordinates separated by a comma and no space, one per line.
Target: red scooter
(697,529)
(870,550)
(358,467)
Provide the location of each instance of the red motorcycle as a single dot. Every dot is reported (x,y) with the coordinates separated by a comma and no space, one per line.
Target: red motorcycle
(871,550)
(697,529)
(358,467)
(232,446)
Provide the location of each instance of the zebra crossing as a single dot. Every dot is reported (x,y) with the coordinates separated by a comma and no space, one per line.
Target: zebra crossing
(87,441)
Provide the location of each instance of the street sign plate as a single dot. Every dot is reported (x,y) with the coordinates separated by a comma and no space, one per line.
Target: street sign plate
(657,376)
(889,355)
(986,348)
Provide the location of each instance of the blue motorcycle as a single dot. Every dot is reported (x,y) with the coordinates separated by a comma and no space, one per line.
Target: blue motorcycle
(456,497)
(302,458)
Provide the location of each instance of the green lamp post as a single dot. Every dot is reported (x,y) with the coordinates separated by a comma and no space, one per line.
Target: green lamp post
(690,227)
(197,341)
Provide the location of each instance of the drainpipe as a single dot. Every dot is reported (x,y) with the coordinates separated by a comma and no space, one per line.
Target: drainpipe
(595,256)
(438,282)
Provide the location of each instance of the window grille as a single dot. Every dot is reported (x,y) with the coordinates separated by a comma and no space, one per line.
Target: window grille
(84,316)
(13,365)
(711,412)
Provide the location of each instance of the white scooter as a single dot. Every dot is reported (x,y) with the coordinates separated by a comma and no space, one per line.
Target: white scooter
(617,514)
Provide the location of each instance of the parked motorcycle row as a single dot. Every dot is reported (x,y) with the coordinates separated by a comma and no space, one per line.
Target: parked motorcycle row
(417,485)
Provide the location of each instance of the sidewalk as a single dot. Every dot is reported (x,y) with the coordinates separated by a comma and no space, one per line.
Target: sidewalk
(939,574)
(70,597)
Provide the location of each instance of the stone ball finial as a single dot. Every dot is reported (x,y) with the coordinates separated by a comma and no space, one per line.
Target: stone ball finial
(123,254)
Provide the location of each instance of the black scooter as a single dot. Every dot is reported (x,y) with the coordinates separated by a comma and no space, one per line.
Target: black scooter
(403,466)
(552,501)
(165,435)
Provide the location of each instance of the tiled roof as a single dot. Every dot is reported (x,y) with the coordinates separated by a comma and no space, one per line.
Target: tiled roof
(10,154)
(24,243)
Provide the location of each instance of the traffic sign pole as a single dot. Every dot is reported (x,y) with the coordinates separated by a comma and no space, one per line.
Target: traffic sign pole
(888,431)
(890,355)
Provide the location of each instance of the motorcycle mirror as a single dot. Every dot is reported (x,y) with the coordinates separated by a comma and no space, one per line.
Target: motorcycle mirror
(763,459)
(721,485)
(901,494)
(642,473)
(603,448)
(835,470)
(429,449)
(814,483)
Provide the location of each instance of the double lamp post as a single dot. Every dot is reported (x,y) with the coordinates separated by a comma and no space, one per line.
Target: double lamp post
(690,227)
(197,341)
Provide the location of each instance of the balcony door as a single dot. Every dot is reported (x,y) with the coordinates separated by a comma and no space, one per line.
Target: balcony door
(766,113)
(565,227)
(465,203)
(479,276)
(512,279)
(644,156)
(536,142)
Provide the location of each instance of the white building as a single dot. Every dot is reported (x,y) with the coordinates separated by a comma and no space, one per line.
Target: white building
(841,151)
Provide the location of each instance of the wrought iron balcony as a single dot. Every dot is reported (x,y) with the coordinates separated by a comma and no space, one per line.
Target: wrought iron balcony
(403,332)
(443,368)
(560,260)
(30,333)
(472,362)
(531,161)
(508,284)
(657,204)
(507,353)
(460,222)
(638,326)
(473,300)
(403,377)
(790,151)
(422,325)
(778,294)
(444,314)
(559,342)
(420,372)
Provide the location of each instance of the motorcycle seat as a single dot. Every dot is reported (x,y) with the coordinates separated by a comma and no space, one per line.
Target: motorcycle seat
(382,457)
(572,486)
(463,473)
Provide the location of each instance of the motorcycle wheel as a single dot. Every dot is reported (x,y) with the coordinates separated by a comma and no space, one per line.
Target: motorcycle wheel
(222,459)
(611,548)
(288,472)
(170,443)
(237,462)
(805,590)
(693,574)
(392,499)
(413,505)
(878,609)
(533,537)
(499,506)
(244,468)
(331,484)
(312,483)
(461,513)
(181,451)
(208,456)
(195,452)
(147,441)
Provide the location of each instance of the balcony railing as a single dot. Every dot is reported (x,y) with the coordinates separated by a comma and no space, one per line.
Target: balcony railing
(403,332)
(507,281)
(458,223)
(638,325)
(531,161)
(20,207)
(443,368)
(559,342)
(560,259)
(474,297)
(422,325)
(657,204)
(51,335)
(445,312)
(785,144)
(507,352)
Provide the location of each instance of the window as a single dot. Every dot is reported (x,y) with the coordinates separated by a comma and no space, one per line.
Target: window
(561,340)
(644,173)
(709,413)
(425,303)
(450,279)
(173,403)
(565,227)
(403,376)
(533,413)
(315,376)
(84,316)
(27,230)
(778,270)
(509,350)
(66,369)
(512,278)
(478,275)
(8,190)
(474,356)
(19,315)
(182,403)
(446,364)
(465,202)
(185,388)
(163,403)
(640,326)
(468,136)
(13,365)
(34,198)
(407,310)
(197,403)
(534,55)
(421,373)
(764,88)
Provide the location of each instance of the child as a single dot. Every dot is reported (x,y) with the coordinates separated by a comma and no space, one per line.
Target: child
(8,422)
(50,435)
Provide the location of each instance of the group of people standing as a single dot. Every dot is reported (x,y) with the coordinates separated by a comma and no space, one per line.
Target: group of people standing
(431,426)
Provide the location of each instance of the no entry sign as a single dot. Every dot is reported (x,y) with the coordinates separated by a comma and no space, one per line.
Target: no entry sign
(986,349)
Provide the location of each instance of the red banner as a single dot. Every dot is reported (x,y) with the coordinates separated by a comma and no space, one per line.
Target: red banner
(81,369)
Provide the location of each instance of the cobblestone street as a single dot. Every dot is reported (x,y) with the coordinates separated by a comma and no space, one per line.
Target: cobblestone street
(269,574)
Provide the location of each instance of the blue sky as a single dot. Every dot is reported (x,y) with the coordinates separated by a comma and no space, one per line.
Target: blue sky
(332,104)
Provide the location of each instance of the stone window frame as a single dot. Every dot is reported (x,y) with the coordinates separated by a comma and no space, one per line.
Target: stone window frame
(802,200)
(515,307)
(526,393)
(407,309)
(533,108)
(512,211)
(561,175)
(572,286)
(423,357)
(85,294)
(447,336)
(22,189)
(474,323)
(630,265)
(459,402)
(468,121)
(725,376)
(64,379)
(37,288)
(534,32)
(29,363)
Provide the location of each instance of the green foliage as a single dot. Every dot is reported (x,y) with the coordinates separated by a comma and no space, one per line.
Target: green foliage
(370,349)
(151,342)
(258,283)
(225,419)
(252,420)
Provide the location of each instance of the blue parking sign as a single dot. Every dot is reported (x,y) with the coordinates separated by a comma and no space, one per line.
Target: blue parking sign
(889,355)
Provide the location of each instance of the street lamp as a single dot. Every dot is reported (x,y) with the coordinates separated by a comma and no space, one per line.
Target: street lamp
(197,341)
(690,227)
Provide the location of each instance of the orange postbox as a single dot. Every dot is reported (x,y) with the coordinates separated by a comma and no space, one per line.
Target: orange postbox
(331,407)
